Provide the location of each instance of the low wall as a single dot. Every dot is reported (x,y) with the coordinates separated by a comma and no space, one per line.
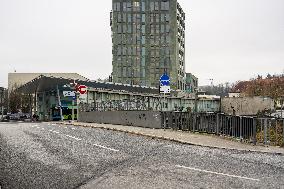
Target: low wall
(147,119)
(246,105)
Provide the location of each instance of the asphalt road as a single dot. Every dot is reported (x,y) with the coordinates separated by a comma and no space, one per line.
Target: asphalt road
(46,155)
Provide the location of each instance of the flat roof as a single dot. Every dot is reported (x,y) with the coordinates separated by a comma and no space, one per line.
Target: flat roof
(47,83)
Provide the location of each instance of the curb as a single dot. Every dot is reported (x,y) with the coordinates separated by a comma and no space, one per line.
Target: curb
(170,139)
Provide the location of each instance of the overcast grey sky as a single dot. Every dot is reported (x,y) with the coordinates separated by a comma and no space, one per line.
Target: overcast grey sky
(226,40)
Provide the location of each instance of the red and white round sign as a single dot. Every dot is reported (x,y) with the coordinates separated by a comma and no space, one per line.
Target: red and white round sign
(82,89)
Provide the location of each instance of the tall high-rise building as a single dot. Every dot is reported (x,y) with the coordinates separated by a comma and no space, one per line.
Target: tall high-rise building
(148,38)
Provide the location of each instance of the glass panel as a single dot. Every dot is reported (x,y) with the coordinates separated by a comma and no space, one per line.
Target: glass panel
(143,40)
(143,6)
(143,17)
(143,29)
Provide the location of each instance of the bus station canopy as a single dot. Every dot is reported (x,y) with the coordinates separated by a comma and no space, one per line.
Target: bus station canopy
(49,83)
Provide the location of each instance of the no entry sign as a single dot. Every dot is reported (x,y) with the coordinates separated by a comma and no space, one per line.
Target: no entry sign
(82,89)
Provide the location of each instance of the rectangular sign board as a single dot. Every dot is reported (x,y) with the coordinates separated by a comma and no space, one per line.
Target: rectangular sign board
(165,89)
(69,93)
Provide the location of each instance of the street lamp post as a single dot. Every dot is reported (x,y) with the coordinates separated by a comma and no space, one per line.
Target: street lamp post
(2,103)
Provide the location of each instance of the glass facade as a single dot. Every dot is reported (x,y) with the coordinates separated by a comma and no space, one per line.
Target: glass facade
(148,40)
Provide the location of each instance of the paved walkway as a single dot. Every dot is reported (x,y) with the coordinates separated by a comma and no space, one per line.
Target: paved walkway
(185,137)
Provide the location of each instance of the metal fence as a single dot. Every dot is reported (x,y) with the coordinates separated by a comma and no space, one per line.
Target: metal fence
(268,131)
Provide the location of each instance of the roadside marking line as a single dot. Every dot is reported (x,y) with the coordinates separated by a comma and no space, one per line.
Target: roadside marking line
(56,132)
(50,130)
(100,146)
(78,139)
(216,173)
(73,128)
(53,124)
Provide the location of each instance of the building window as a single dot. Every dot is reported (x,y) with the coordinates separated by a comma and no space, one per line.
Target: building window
(152,6)
(143,17)
(143,40)
(143,61)
(136,6)
(143,29)
(156,5)
(116,6)
(124,5)
(124,17)
(129,18)
(165,5)
(143,6)
(118,28)
(119,17)
(128,6)
(167,17)
(129,28)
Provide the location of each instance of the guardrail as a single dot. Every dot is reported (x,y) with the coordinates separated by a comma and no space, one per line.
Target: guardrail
(267,131)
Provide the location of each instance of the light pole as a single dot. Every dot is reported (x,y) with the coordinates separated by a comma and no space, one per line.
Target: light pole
(2,102)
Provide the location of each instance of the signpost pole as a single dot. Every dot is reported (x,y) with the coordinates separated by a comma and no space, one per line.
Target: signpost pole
(2,105)
(73,109)
(59,103)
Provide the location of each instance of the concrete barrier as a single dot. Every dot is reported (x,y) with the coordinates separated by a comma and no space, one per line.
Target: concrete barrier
(147,119)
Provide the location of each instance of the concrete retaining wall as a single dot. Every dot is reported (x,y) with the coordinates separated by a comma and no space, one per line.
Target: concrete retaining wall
(246,105)
(147,119)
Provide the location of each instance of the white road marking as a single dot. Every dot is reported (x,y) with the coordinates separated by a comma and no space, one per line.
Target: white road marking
(65,127)
(216,173)
(42,128)
(78,139)
(100,146)
(73,128)
(53,124)
(56,132)
(50,130)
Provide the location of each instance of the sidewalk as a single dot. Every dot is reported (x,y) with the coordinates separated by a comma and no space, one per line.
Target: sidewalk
(185,137)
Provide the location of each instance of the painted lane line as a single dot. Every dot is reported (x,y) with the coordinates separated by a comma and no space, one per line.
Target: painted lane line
(216,173)
(111,149)
(73,128)
(50,130)
(56,132)
(78,139)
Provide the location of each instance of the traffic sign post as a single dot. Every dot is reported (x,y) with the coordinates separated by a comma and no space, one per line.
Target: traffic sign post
(165,84)
(165,87)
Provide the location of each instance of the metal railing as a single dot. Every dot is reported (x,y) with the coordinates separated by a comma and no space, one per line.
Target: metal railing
(267,131)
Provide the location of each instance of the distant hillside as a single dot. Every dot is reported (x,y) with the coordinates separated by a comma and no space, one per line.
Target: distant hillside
(220,90)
